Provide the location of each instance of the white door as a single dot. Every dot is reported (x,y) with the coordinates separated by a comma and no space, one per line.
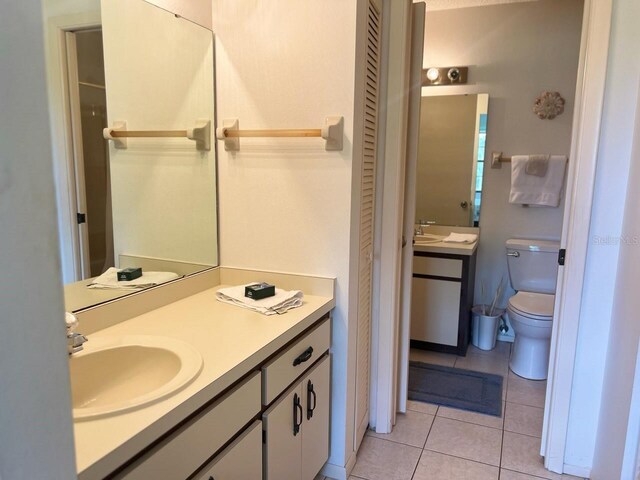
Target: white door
(315,426)
(367,204)
(417,47)
(282,454)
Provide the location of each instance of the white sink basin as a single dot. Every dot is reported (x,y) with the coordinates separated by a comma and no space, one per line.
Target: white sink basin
(427,238)
(119,374)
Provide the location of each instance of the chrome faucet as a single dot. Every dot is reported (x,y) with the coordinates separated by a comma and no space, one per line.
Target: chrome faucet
(75,341)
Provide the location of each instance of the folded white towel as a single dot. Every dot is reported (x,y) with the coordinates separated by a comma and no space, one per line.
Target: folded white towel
(281,302)
(109,280)
(533,190)
(461,238)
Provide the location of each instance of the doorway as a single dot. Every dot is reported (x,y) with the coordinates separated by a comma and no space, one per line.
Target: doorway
(579,194)
(89,159)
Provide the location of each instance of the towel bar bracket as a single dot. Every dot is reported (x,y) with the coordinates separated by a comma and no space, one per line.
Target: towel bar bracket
(331,132)
(497,159)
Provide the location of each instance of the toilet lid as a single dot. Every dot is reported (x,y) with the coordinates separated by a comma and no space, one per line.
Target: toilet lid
(533,304)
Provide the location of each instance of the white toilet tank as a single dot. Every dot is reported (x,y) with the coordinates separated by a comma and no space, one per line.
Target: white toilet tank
(533,265)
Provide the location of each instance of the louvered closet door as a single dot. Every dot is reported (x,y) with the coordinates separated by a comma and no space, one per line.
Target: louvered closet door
(367,201)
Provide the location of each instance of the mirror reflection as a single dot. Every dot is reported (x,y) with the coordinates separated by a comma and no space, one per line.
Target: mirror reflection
(451,153)
(151,204)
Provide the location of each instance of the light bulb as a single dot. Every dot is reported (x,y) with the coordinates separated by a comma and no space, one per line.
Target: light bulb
(433,74)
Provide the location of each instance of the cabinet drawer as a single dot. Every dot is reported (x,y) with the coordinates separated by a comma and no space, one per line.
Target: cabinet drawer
(242,460)
(439,267)
(284,369)
(182,453)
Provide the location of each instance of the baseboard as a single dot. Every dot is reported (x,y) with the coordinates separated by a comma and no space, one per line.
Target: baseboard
(576,471)
(335,472)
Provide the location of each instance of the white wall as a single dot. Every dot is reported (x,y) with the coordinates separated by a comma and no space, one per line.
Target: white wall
(36,435)
(625,333)
(285,204)
(163,190)
(514,52)
(606,226)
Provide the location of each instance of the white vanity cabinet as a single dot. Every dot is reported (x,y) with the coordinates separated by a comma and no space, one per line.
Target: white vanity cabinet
(242,460)
(441,301)
(271,424)
(297,428)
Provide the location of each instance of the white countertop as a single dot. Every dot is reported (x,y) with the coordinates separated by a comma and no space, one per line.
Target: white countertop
(448,248)
(232,341)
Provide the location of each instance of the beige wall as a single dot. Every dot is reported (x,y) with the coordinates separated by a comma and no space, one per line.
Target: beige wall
(285,204)
(514,52)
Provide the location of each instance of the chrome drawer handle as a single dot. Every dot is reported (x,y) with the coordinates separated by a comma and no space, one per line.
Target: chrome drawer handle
(513,254)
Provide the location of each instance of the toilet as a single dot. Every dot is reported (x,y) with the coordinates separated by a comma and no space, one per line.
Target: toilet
(533,268)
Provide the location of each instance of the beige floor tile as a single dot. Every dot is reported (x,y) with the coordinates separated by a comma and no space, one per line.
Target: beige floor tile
(411,428)
(509,475)
(436,466)
(435,358)
(520,453)
(428,408)
(465,440)
(472,417)
(526,392)
(523,419)
(383,460)
(484,363)
(503,349)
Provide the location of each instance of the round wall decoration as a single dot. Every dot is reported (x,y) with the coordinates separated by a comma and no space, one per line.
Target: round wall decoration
(548,105)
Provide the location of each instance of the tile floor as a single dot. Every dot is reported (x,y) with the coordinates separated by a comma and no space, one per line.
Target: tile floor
(439,443)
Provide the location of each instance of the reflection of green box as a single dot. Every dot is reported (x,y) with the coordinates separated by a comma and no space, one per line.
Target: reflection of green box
(129,274)
(258,291)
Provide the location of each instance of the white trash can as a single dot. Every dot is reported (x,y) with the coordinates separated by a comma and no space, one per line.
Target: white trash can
(484,328)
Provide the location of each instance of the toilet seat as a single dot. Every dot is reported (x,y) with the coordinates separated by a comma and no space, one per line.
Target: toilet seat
(537,307)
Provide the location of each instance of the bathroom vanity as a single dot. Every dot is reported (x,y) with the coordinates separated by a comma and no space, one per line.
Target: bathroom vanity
(442,296)
(258,409)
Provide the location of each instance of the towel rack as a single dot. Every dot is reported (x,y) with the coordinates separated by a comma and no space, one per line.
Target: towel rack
(497,159)
(200,133)
(331,132)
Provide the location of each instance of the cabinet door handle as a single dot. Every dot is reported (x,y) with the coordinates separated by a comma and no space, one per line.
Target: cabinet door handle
(310,392)
(297,408)
(303,357)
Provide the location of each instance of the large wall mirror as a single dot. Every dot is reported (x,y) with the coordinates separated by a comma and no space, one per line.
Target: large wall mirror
(152,204)
(451,155)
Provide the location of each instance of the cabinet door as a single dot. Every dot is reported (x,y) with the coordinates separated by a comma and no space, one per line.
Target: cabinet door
(435,310)
(282,451)
(315,429)
(242,460)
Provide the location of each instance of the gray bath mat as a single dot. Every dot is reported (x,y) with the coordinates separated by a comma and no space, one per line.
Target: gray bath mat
(455,387)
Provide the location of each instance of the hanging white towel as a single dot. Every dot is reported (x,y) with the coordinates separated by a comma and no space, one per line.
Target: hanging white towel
(461,238)
(282,301)
(533,190)
(109,280)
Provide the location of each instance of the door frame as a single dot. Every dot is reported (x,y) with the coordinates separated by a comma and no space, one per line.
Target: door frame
(62,145)
(589,98)
(587,115)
